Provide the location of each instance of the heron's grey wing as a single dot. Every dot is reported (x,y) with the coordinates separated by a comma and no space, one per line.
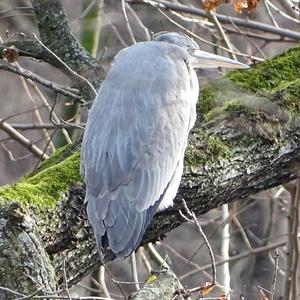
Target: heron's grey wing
(135,137)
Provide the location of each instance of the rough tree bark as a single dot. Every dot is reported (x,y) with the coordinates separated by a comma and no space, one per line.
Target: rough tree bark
(246,140)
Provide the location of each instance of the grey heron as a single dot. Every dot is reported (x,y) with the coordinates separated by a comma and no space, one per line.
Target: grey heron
(136,134)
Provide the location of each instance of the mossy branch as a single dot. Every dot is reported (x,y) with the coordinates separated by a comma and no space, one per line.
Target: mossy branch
(250,143)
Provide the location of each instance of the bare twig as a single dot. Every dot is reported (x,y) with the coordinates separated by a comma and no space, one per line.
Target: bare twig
(127,22)
(66,91)
(282,13)
(49,296)
(22,10)
(222,18)
(45,102)
(156,256)
(275,257)
(296,242)
(102,281)
(221,31)
(139,22)
(31,295)
(208,42)
(249,40)
(66,279)
(187,261)
(243,233)
(36,111)
(14,134)
(225,249)
(134,270)
(111,276)
(145,259)
(66,66)
(11,156)
(191,218)
(34,126)
(293,242)
(266,3)
(236,257)
(118,35)
(94,4)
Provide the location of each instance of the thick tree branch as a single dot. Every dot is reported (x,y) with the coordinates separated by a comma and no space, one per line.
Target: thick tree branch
(52,23)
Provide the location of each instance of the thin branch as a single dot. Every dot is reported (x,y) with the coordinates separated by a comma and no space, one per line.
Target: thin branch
(127,22)
(22,10)
(275,257)
(102,281)
(208,42)
(295,240)
(11,156)
(225,246)
(145,260)
(157,257)
(222,18)
(221,31)
(31,295)
(134,270)
(76,75)
(139,22)
(282,13)
(191,218)
(54,116)
(237,257)
(259,36)
(66,91)
(35,126)
(35,110)
(289,7)
(186,261)
(118,35)
(93,5)
(243,233)
(14,134)
(249,40)
(66,279)
(266,3)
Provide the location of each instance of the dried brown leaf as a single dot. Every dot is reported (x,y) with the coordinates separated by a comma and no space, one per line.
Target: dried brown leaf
(206,288)
(238,4)
(11,54)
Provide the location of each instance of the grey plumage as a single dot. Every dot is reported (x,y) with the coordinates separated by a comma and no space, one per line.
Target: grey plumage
(135,138)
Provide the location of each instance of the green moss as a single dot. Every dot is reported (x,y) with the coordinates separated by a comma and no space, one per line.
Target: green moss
(213,148)
(229,108)
(47,186)
(287,96)
(207,96)
(55,157)
(217,148)
(269,74)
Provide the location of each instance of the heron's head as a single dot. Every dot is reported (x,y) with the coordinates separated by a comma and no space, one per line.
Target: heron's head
(178,38)
(199,59)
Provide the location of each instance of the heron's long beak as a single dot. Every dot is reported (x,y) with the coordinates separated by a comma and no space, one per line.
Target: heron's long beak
(203,60)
